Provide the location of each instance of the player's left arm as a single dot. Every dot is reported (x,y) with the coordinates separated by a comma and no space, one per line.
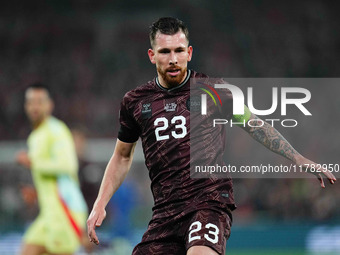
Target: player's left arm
(267,135)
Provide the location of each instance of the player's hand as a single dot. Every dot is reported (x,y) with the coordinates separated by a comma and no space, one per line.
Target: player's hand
(95,220)
(307,164)
(23,159)
(29,194)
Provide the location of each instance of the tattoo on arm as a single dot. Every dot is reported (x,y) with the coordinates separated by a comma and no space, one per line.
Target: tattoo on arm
(264,133)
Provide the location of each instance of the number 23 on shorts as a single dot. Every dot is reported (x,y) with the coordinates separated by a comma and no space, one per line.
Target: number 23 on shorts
(211,236)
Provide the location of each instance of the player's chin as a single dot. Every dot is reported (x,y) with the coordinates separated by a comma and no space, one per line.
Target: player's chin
(175,78)
(173,81)
(35,119)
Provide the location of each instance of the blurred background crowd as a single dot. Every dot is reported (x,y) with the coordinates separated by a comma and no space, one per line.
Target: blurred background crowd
(92,52)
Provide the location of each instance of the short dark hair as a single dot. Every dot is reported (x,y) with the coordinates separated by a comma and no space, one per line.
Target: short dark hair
(168,26)
(39,85)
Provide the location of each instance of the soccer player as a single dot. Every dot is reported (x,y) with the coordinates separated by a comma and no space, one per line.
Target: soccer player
(52,159)
(190,215)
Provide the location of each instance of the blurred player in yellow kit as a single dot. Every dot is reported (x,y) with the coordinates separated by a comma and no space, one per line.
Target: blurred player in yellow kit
(52,159)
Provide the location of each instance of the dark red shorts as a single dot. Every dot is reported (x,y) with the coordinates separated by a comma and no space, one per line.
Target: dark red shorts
(207,227)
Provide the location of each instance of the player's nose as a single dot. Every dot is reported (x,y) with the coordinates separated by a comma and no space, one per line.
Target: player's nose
(173,58)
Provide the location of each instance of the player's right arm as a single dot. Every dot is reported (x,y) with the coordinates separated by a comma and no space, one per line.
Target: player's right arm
(268,136)
(116,171)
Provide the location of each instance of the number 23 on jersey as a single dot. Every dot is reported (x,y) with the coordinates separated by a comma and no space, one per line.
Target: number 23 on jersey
(162,124)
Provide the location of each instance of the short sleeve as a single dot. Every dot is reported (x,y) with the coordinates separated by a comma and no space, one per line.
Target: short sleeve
(129,131)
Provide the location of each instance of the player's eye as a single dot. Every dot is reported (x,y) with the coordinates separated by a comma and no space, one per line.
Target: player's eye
(180,50)
(164,51)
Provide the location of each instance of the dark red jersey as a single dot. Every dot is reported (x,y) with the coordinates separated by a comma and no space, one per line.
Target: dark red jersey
(161,118)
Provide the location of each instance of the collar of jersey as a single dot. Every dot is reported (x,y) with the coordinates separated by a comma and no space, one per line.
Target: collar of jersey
(177,87)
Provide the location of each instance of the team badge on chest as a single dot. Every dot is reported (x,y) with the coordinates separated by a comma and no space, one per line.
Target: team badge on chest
(170,107)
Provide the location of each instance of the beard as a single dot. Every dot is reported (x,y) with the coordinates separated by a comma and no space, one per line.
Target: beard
(36,118)
(172,81)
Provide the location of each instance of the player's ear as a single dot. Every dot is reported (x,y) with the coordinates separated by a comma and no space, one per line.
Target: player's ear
(151,55)
(190,50)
